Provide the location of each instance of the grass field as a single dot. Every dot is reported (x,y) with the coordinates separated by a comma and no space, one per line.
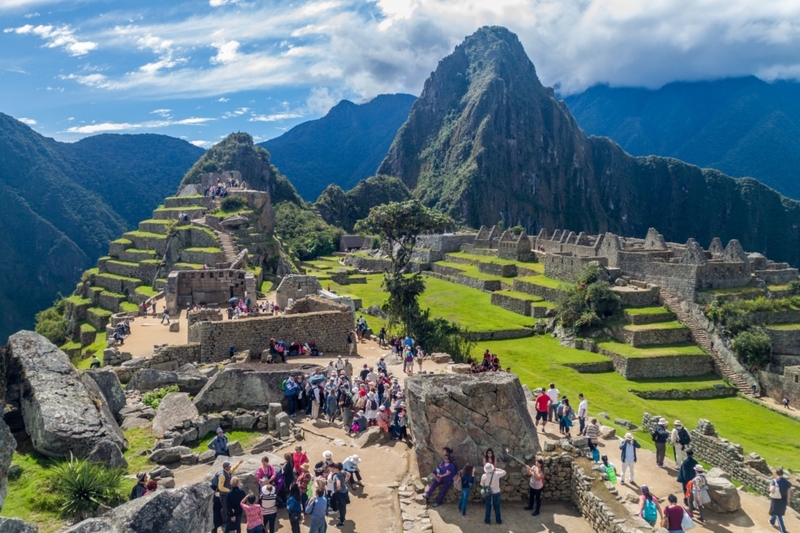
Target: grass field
(471,271)
(673,324)
(639,311)
(544,281)
(625,349)
(521,296)
(784,327)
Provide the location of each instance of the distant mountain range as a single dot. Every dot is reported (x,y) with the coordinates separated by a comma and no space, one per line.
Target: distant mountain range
(486,142)
(62,203)
(343,147)
(741,126)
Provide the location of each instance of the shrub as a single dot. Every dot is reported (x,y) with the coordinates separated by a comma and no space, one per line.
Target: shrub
(83,485)
(232,203)
(733,315)
(794,287)
(154,397)
(753,349)
(51,323)
(588,303)
(516,230)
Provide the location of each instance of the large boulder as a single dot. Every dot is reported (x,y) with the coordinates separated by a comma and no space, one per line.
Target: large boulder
(468,414)
(63,413)
(174,408)
(148,379)
(15,525)
(724,496)
(182,510)
(246,388)
(108,382)
(7,447)
(166,456)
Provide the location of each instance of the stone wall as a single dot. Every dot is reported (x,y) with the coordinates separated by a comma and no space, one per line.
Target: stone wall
(784,341)
(468,281)
(660,367)
(172,357)
(691,394)
(296,287)
(592,368)
(776,317)
(217,286)
(205,315)
(328,328)
(511,303)
(374,264)
(647,337)
(313,304)
(567,267)
(495,269)
(445,243)
(712,449)
(549,294)
(632,297)
(780,386)
(498,335)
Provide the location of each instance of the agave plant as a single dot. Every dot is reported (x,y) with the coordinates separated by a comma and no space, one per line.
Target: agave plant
(83,485)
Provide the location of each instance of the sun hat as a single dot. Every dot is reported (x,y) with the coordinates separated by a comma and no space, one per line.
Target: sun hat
(698,468)
(488,468)
(628,436)
(382,408)
(327,454)
(355,459)
(662,421)
(678,423)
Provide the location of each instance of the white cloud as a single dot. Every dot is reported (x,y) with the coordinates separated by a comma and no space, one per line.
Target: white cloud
(236,112)
(223,99)
(218,3)
(203,144)
(274,117)
(28,121)
(165,113)
(30,15)
(57,37)
(226,52)
(105,127)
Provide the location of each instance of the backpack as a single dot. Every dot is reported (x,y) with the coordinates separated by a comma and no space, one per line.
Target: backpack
(650,512)
(283,385)
(373,405)
(215,481)
(683,437)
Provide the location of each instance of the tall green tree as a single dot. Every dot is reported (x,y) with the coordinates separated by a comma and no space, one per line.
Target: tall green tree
(399,224)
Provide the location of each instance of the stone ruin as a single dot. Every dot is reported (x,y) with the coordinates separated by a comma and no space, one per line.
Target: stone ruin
(212,286)
(295,287)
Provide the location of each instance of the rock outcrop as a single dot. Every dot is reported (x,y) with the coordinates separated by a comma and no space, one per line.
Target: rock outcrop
(15,525)
(109,385)
(148,379)
(468,414)
(63,413)
(245,388)
(182,510)
(724,496)
(7,447)
(174,408)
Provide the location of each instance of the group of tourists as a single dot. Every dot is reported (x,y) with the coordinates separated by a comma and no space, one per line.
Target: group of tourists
(121,332)
(552,407)
(220,190)
(183,217)
(447,474)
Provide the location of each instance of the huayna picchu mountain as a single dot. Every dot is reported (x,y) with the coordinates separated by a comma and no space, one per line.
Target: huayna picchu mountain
(63,202)
(486,141)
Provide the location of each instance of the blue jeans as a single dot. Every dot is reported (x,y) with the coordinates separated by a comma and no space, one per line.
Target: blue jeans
(258,529)
(292,399)
(462,504)
(318,525)
(494,500)
(781,525)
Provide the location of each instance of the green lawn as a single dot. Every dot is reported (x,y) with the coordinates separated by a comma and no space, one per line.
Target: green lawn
(539,360)
(146,234)
(521,296)
(209,249)
(87,328)
(247,439)
(483,258)
(785,327)
(733,290)
(77,300)
(107,275)
(471,271)
(128,307)
(639,311)
(673,324)
(627,350)
(146,290)
(544,281)
(188,266)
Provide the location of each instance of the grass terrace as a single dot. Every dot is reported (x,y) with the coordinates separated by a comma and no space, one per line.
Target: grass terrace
(188,266)
(486,258)
(187,209)
(673,324)
(128,307)
(661,350)
(784,327)
(544,281)
(207,249)
(471,271)
(77,300)
(145,235)
(521,296)
(122,241)
(146,290)
(639,311)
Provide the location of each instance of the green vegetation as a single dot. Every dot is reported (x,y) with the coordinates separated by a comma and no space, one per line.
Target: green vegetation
(188,266)
(470,270)
(304,233)
(87,328)
(640,311)
(344,209)
(77,300)
(734,315)
(520,295)
(153,398)
(81,486)
(588,303)
(128,307)
(232,203)
(51,323)
(247,439)
(673,324)
(784,327)
(544,281)
(146,290)
(625,349)
(489,259)
(753,349)
(207,249)
(100,312)
(146,235)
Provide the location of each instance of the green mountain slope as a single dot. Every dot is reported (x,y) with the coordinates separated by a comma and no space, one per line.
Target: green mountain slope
(344,209)
(741,126)
(343,147)
(486,141)
(59,204)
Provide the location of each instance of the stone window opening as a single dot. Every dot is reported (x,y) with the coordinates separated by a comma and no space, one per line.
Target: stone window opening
(796,376)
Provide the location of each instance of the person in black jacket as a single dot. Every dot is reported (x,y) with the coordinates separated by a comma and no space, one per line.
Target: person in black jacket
(234,500)
(660,437)
(288,479)
(141,486)
(687,472)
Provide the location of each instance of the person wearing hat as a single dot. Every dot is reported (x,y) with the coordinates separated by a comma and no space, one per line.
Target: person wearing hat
(219,444)
(348,369)
(491,480)
(140,489)
(330,370)
(660,437)
(698,496)
(221,483)
(303,481)
(628,449)
(350,466)
(383,418)
(680,439)
(382,366)
(687,473)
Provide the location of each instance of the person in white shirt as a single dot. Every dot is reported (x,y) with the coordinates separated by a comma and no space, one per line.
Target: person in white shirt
(491,479)
(554,395)
(583,409)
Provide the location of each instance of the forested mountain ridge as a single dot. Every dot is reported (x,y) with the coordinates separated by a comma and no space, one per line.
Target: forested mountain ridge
(486,141)
(740,126)
(63,202)
(341,148)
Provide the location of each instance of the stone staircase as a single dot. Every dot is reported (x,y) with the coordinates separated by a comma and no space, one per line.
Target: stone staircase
(673,303)
(228,247)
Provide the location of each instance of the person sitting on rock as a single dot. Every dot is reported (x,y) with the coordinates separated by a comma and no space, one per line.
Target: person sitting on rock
(95,362)
(443,477)
(359,423)
(140,489)
(219,444)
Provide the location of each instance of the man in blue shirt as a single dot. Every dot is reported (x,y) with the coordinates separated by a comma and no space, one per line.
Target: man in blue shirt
(219,444)
(291,395)
(317,509)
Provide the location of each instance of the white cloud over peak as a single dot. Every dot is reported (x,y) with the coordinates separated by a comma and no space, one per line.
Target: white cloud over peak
(218,3)
(57,37)
(203,144)
(28,121)
(105,127)
(274,117)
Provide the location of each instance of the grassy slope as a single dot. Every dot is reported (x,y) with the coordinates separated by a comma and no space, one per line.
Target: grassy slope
(623,348)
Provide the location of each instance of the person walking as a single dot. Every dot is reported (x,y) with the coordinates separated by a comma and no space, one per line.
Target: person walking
(673,515)
(234,504)
(467,480)
(649,509)
(780,492)
(583,410)
(490,491)
(554,395)
(317,509)
(420,358)
(566,416)
(680,439)
(699,497)
(542,408)
(252,513)
(660,437)
(269,506)
(628,449)
(340,493)
(535,486)
(219,444)
(592,433)
(687,473)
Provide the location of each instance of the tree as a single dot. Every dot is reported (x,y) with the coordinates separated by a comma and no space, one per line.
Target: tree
(587,303)
(399,225)
(753,348)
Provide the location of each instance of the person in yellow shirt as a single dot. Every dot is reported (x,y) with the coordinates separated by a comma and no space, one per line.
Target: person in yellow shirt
(222,486)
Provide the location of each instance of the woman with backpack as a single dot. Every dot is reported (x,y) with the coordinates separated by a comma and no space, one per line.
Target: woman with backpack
(680,439)
(467,479)
(649,509)
(294,507)
(698,492)
(780,492)
(673,515)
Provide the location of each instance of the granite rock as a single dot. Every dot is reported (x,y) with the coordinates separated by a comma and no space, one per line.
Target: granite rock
(108,383)
(174,408)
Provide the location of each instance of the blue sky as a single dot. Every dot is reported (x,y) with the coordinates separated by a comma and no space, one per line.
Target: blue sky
(201,69)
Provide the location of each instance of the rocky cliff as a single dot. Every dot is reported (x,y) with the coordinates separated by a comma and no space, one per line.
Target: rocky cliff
(486,141)
(344,209)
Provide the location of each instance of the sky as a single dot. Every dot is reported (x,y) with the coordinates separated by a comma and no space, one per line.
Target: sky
(201,69)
